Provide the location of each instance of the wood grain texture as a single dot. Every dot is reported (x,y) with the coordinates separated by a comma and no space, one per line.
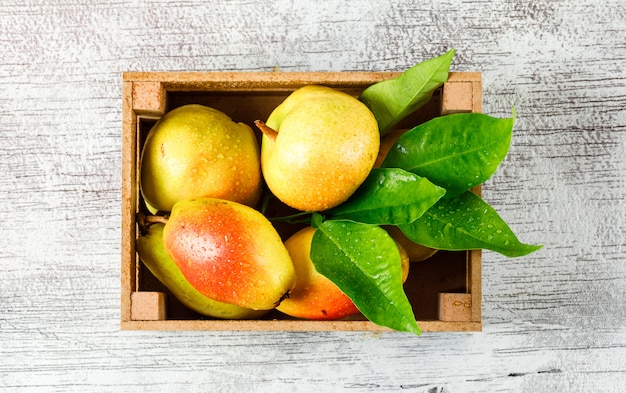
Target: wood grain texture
(553,321)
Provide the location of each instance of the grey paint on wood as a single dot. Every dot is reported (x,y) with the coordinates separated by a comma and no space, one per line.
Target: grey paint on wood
(553,321)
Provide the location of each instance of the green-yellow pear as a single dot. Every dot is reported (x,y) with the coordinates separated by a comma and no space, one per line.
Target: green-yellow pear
(195,151)
(315,296)
(229,252)
(416,252)
(318,146)
(152,252)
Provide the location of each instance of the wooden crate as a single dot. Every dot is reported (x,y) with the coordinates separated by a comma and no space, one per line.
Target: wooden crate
(445,290)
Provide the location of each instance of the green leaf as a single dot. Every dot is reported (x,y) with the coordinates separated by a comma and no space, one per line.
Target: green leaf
(466,222)
(391,100)
(456,152)
(364,262)
(389,196)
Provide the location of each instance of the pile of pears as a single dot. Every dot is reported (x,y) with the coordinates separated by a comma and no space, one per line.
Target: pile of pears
(205,177)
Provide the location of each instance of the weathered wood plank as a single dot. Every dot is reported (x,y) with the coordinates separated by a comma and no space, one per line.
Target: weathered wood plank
(553,321)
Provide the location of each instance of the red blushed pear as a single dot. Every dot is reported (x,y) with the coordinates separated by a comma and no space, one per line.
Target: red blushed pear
(150,249)
(315,296)
(229,252)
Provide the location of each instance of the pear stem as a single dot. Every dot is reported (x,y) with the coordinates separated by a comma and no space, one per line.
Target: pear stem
(156,219)
(145,221)
(266,130)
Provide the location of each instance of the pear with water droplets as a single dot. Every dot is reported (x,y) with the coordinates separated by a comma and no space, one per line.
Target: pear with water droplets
(314,295)
(196,151)
(229,252)
(152,252)
(318,146)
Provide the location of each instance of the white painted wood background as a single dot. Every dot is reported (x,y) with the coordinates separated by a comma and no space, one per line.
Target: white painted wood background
(554,321)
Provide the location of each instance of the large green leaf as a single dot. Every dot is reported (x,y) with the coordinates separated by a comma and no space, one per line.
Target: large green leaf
(389,196)
(391,100)
(465,222)
(364,262)
(456,152)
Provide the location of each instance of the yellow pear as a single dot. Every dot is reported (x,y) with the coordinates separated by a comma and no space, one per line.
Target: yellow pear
(195,151)
(318,146)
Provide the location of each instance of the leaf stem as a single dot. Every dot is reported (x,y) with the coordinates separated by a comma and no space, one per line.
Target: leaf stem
(294,218)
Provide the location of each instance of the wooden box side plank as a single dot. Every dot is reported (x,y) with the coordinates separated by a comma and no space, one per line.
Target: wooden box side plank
(129,201)
(474,272)
(276,79)
(294,325)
